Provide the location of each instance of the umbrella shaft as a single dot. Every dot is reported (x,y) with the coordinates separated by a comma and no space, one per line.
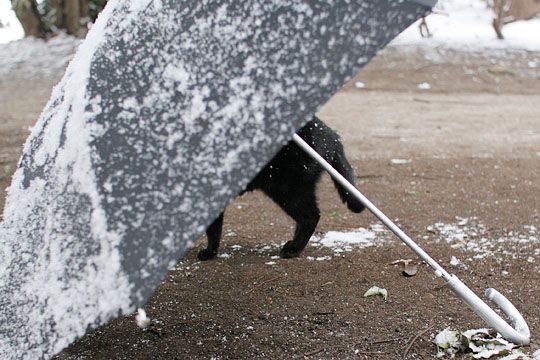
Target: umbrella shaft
(439,271)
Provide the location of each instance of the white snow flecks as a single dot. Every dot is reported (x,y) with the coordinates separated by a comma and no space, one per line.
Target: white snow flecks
(347,241)
(468,234)
(63,302)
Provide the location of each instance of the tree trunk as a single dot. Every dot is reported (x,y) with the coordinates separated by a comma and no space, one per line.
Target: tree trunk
(56,5)
(28,15)
(85,11)
(72,14)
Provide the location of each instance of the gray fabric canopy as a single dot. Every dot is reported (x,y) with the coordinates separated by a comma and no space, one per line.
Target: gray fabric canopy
(166,112)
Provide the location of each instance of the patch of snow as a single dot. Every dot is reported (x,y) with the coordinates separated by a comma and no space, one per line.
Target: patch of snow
(378,228)
(224,256)
(359,85)
(31,57)
(454,261)
(347,241)
(424,86)
(466,25)
(471,235)
(400,161)
(11,29)
(142,320)
(319,258)
(270,263)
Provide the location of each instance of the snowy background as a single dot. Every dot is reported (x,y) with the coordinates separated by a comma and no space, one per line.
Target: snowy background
(466,24)
(10,28)
(456,23)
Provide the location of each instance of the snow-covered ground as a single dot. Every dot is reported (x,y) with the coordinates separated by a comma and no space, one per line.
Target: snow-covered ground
(466,24)
(10,28)
(32,57)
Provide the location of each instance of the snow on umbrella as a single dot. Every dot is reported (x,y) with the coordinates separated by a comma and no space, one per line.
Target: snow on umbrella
(166,112)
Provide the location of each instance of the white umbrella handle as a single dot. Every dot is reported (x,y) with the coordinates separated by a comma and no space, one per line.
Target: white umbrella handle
(518,334)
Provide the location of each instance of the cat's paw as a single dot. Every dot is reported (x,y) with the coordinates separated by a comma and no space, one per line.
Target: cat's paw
(289,251)
(206,254)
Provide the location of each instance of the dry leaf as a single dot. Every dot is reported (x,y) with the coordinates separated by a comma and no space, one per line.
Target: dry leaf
(408,267)
(410,270)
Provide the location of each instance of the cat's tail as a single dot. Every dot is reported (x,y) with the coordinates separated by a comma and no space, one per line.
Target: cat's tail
(343,166)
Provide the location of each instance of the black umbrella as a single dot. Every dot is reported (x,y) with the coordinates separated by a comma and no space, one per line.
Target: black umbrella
(166,112)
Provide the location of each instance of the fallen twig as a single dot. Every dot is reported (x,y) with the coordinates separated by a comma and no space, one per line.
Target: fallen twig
(264,282)
(411,343)
(313,353)
(371,353)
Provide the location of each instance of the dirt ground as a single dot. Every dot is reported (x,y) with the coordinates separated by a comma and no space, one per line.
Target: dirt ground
(472,148)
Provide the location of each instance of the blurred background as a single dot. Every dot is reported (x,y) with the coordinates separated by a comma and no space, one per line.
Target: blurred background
(456,22)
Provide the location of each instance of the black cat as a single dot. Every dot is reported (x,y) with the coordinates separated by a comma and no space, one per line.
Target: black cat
(290,180)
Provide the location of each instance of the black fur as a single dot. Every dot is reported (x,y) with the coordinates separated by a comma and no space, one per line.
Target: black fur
(290,179)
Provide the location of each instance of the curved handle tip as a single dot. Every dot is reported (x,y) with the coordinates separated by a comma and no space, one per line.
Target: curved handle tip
(518,332)
(518,322)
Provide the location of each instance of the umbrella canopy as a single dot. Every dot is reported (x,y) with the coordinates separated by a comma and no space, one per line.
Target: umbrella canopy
(164,115)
